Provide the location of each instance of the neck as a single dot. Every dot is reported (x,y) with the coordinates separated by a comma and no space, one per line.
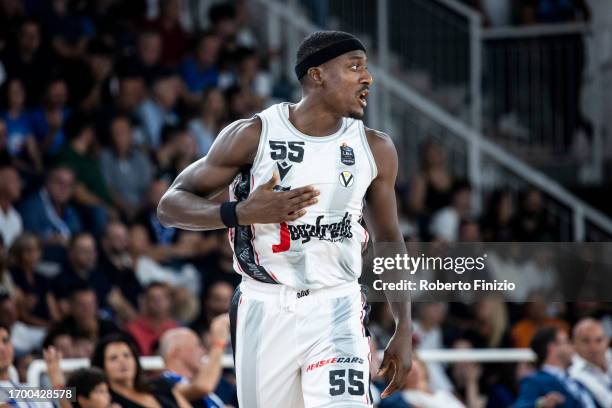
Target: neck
(4,374)
(5,204)
(314,118)
(122,386)
(555,362)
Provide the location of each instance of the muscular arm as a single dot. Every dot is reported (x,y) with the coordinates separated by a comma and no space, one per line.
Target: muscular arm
(381,218)
(189,202)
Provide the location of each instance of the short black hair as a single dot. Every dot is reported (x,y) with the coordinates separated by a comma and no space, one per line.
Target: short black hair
(5,327)
(319,40)
(84,380)
(540,341)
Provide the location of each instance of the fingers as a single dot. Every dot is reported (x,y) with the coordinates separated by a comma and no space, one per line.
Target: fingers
(296,193)
(307,202)
(269,185)
(295,215)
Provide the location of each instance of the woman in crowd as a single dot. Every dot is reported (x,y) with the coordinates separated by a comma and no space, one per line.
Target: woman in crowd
(37,305)
(117,356)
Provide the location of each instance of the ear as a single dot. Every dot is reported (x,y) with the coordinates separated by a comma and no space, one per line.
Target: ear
(314,73)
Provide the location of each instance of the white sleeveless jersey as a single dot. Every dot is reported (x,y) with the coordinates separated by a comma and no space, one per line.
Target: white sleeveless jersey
(323,248)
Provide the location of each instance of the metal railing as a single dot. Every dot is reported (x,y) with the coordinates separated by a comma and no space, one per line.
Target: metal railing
(521,85)
(154,363)
(410,117)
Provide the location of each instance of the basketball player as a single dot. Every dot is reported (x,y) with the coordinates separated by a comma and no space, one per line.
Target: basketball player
(299,174)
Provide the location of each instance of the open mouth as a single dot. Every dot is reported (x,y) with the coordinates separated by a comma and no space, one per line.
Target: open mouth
(363,97)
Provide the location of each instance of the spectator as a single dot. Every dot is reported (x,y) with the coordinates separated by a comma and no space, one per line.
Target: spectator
(242,103)
(147,61)
(174,38)
(252,77)
(431,187)
(11,225)
(69,32)
(126,170)
(47,213)
(60,338)
(37,306)
(81,270)
(429,335)
(536,316)
(469,231)
(48,121)
(82,320)
(419,393)
(446,221)
(130,96)
(212,115)
(592,365)
(90,388)
(7,286)
(118,357)
(20,138)
(25,59)
(157,233)
(6,361)
(89,384)
(159,110)
(532,222)
(117,264)
(25,338)
(550,386)
(90,190)
(222,17)
(178,150)
(466,377)
(90,82)
(490,325)
(216,301)
(189,368)
(154,319)
(498,223)
(200,72)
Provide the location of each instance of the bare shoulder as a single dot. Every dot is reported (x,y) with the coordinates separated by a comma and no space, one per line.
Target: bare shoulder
(237,143)
(382,148)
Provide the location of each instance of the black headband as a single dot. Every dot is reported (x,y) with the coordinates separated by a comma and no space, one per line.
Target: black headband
(327,53)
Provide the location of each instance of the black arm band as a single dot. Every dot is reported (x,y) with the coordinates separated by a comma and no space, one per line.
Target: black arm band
(228,214)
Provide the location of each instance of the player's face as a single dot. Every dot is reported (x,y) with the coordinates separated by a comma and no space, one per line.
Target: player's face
(349,83)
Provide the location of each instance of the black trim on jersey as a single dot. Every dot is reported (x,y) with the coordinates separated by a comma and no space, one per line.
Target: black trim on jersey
(233,315)
(243,247)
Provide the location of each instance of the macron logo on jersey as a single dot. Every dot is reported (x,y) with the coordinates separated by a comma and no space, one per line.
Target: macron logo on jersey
(333,232)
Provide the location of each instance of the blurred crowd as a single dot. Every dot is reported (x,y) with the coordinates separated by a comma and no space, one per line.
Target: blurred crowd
(102,104)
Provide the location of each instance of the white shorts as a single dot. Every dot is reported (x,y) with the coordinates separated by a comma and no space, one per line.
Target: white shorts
(300,348)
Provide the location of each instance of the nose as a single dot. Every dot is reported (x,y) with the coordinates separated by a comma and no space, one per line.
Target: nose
(366,78)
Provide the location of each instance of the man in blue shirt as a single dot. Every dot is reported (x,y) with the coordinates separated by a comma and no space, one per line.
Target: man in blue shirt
(194,373)
(551,386)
